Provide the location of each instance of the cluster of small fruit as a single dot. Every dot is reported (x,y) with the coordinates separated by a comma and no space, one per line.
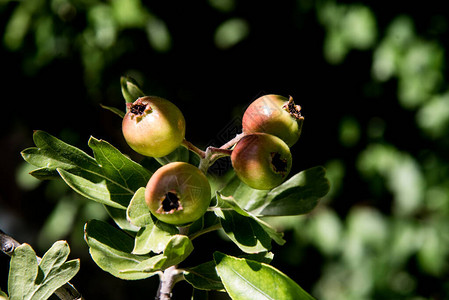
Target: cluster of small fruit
(179,193)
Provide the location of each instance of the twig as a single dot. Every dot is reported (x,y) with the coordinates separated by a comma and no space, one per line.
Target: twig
(7,243)
(65,292)
(168,279)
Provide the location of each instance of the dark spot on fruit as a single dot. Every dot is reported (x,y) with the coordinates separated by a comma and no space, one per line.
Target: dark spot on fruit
(279,164)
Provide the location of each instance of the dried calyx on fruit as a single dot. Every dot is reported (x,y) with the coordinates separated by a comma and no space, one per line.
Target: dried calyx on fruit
(138,110)
(153,126)
(293,109)
(169,203)
(178,193)
(261,160)
(276,115)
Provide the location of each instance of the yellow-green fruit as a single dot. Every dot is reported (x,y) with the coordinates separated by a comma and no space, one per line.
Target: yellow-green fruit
(261,160)
(178,193)
(276,115)
(153,126)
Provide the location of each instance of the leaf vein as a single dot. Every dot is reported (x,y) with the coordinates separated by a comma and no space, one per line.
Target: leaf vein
(251,284)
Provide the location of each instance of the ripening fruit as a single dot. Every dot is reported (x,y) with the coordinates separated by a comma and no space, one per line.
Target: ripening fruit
(153,126)
(178,193)
(261,160)
(276,115)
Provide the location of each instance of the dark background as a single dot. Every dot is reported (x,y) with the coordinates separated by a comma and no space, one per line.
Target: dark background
(61,59)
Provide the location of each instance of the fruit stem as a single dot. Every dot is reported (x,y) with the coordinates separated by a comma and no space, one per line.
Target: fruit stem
(211,155)
(194,148)
(208,157)
(234,141)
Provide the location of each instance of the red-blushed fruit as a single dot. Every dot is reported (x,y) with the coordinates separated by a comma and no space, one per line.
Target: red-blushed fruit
(276,115)
(153,126)
(261,160)
(178,193)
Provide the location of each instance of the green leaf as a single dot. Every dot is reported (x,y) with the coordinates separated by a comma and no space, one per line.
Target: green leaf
(111,249)
(44,174)
(116,111)
(154,238)
(178,248)
(298,195)
(54,258)
(245,279)
(110,178)
(51,154)
(144,269)
(181,154)
(263,257)
(204,277)
(245,232)
(229,202)
(97,191)
(130,89)
(208,222)
(137,211)
(56,278)
(125,173)
(23,271)
(121,219)
(30,280)
(246,197)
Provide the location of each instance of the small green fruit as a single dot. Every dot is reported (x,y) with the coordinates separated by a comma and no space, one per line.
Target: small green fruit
(261,160)
(153,126)
(275,115)
(178,193)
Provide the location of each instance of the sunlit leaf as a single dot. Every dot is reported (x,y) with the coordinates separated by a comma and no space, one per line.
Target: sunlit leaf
(154,238)
(120,218)
(130,89)
(228,202)
(97,191)
(114,110)
(177,249)
(51,153)
(245,279)
(114,164)
(137,211)
(298,195)
(110,178)
(246,197)
(111,249)
(23,271)
(29,279)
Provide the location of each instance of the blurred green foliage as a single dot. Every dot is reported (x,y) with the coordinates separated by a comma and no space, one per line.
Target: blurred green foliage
(372,81)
